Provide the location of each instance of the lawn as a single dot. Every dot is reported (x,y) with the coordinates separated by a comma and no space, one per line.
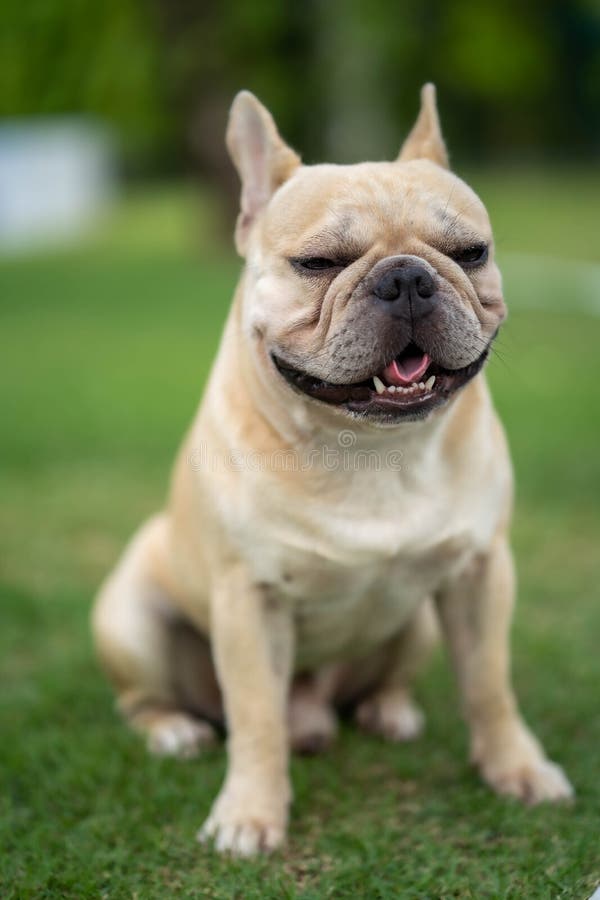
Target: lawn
(104,352)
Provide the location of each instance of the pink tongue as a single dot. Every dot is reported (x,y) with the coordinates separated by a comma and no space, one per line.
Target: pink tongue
(405,371)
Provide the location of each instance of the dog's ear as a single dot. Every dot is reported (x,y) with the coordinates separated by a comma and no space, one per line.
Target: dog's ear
(425,141)
(263,160)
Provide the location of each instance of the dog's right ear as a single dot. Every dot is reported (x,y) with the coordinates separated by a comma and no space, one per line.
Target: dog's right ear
(263,160)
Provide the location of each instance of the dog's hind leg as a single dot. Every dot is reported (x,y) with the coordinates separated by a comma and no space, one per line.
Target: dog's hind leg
(389,710)
(312,721)
(161,668)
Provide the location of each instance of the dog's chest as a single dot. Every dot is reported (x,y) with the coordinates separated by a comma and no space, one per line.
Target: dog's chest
(353,572)
(343,610)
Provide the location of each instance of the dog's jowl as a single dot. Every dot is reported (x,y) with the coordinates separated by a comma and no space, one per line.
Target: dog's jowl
(344,492)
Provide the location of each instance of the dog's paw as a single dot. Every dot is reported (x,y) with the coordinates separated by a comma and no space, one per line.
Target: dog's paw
(312,727)
(391,715)
(242,836)
(513,764)
(235,827)
(180,735)
(532,782)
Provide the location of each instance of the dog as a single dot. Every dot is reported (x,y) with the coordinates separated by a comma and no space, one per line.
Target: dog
(344,489)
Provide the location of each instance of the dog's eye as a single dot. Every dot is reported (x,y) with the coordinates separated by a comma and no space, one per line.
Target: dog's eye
(469,257)
(317,263)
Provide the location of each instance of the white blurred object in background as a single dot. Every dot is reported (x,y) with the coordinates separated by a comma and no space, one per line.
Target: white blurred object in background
(56,178)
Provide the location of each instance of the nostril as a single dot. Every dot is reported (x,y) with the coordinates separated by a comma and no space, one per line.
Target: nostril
(424,285)
(389,287)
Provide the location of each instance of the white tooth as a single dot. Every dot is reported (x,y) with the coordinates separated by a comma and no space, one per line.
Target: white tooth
(413,386)
(421,386)
(379,385)
(430,382)
(392,389)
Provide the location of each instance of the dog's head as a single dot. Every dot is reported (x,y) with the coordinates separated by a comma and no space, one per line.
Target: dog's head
(369,287)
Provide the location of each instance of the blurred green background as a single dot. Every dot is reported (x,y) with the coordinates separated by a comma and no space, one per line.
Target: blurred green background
(105,344)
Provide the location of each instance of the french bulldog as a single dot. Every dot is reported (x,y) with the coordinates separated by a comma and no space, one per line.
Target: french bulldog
(344,488)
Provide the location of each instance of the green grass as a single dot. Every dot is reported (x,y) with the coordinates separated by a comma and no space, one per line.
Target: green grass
(104,352)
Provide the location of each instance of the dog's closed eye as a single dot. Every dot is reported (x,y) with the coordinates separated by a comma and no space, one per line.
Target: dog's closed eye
(317,264)
(471,256)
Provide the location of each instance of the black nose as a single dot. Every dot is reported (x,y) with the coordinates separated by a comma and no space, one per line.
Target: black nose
(409,291)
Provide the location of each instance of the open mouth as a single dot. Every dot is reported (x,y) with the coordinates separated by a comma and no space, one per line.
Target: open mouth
(409,387)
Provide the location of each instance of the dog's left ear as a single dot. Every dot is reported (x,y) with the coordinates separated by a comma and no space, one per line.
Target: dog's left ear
(425,141)
(262,158)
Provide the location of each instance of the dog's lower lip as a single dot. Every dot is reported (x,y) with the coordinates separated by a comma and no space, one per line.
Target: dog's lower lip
(368,400)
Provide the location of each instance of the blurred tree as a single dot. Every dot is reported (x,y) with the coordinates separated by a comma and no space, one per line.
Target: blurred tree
(72,56)
(212,50)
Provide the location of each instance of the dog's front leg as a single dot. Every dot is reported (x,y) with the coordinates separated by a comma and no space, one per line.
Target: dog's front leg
(475,610)
(252,642)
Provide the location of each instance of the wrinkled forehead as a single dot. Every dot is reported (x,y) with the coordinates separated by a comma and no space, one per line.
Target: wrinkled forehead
(355,206)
